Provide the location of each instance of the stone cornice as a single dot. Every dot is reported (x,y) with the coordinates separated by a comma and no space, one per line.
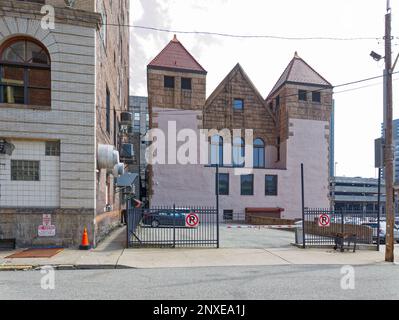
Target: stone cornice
(31,10)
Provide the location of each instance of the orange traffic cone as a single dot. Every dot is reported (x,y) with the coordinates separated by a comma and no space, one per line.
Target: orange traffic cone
(85,241)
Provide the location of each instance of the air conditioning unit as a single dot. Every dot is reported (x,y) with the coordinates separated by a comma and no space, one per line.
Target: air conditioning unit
(127,150)
(126,118)
(6,147)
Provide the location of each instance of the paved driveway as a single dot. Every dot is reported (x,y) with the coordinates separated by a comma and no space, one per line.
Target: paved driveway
(258,237)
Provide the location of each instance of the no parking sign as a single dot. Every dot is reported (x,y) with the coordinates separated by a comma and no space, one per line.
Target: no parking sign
(192,220)
(324,220)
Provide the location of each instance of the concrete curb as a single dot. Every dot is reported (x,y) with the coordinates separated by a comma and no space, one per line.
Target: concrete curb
(16,268)
(64,267)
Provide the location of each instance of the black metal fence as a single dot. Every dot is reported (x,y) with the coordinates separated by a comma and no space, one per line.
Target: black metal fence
(173,227)
(322,227)
(230,216)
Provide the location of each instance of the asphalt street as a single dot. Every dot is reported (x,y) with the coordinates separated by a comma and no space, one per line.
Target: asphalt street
(261,282)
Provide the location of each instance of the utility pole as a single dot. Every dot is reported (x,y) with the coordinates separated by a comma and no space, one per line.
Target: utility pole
(388,150)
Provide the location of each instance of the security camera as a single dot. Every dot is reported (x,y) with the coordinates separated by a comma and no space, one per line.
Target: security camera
(375,56)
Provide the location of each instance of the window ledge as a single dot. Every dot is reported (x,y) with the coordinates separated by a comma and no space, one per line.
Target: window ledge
(24,106)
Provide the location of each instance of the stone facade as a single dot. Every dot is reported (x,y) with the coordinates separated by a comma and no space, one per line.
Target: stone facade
(176,98)
(294,132)
(112,65)
(219,112)
(81,68)
(161,99)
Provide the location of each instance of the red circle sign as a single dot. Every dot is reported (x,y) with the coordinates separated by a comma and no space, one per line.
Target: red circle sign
(192,220)
(324,220)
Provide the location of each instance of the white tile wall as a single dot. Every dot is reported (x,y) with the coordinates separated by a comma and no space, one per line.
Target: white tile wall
(43,193)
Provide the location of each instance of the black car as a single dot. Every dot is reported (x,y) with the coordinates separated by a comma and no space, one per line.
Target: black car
(165,218)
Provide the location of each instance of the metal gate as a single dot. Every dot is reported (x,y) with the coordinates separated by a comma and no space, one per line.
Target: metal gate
(173,227)
(322,227)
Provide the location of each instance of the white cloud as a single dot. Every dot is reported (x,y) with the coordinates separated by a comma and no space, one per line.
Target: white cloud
(358,113)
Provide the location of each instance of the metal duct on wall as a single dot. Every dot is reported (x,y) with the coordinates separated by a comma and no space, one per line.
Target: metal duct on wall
(107,157)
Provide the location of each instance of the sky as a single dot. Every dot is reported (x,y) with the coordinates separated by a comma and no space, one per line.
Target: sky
(358,113)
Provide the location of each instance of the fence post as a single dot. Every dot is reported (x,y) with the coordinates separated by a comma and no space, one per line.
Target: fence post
(128,224)
(217,204)
(379,209)
(174,226)
(303,208)
(342,221)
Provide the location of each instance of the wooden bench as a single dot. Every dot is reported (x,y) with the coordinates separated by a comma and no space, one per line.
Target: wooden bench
(340,239)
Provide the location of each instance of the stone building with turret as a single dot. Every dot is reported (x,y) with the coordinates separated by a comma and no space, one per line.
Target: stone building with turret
(288,127)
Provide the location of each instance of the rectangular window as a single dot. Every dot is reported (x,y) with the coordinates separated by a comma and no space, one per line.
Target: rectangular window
(108,112)
(271,185)
(302,95)
(136,122)
(247,185)
(223,184)
(316,96)
(25,85)
(103,29)
(169,82)
(186,83)
(277,101)
(25,170)
(238,104)
(53,148)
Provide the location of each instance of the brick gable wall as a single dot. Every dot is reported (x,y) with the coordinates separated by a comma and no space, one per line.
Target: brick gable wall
(219,113)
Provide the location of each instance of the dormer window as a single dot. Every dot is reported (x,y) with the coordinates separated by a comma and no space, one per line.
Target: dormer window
(302,95)
(169,82)
(238,104)
(186,83)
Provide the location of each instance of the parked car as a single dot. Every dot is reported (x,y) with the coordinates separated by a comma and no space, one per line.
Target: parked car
(382,231)
(166,218)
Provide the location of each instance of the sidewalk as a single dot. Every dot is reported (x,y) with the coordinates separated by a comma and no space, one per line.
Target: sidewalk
(111,254)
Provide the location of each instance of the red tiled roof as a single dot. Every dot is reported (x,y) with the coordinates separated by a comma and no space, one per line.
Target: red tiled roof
(175,56)
(298,71)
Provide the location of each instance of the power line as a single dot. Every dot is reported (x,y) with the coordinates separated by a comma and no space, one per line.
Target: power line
(173,112)
(243,36)
(318,90)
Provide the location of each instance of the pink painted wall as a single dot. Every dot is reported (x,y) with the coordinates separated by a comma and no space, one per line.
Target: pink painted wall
(195,184)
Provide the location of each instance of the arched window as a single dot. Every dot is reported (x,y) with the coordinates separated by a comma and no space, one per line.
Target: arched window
(217,150)
(259,153)
(25,73)
(238,152)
